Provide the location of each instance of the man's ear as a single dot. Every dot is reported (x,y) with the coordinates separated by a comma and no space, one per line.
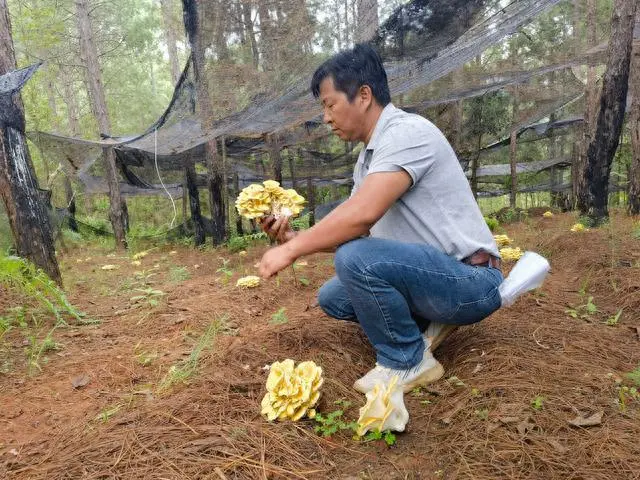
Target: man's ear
(365,95)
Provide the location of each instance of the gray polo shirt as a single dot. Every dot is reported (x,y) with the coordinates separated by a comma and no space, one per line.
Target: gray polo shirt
(439,208)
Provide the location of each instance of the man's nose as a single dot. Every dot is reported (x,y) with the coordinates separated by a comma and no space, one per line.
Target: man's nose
(326,118)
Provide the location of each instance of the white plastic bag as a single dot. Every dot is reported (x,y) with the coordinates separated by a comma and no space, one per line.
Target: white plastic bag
(528,273)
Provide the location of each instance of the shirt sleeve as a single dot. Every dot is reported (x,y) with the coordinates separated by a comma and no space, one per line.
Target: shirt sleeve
(403,147)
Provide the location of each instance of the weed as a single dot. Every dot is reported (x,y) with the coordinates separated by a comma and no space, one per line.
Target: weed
(304,281)
(635,233)
(107,413)
(236,244)
(455,381)
(22,276)
(332,423)
(342,403)
(388,437)
(36,349)
(538,402)
(182,371)
(178,274)
(279,317)
(492,223)
(634,376)
(145,358)
(226,272)
(148,296)
(583,311)
(613,320)
(483,414)
(475,392)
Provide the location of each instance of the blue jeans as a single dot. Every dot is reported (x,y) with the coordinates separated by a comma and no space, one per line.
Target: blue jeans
(392,288)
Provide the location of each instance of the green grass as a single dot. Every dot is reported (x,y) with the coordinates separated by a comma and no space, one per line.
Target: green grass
(182,371)
(22,277)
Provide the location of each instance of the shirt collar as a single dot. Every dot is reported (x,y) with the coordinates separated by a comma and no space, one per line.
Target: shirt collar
(386,114)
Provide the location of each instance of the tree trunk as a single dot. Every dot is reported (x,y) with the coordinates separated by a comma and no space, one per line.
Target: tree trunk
(249,32)
(225,189)
(89,55)
(590,95)
(236,191)
(475,163)
(275,157)
(367,24)
(634,126)
(292,169)
(171,39)
(267,43)
(28,217)
(593,200)
(311,200)
(74,129)
(194,203)
(205,112)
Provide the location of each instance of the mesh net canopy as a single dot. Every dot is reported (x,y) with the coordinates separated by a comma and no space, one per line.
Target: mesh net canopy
(435,53)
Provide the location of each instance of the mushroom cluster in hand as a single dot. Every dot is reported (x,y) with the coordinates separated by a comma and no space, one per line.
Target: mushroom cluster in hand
(257,201)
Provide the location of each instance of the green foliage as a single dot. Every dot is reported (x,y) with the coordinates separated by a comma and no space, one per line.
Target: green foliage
(279,317)
(179,274)
(492,223)
(388,437)
(23,277)
(226,272)
(583,311)
(488,114)
(182,371)
(236,244)
(148,296)
(37,348)
(482,414)
(614,319)
(332,423)
(634,376)
(538,402)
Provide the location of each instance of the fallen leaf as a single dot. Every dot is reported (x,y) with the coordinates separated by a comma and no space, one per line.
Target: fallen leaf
(80,381)
(477,368)
(557,445)
(525,426)
(507,420)
(593,420)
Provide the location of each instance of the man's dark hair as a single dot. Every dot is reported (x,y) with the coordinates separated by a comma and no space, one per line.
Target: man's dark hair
(350,70)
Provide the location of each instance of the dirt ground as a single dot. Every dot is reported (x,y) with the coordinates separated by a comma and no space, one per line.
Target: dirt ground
(513,382)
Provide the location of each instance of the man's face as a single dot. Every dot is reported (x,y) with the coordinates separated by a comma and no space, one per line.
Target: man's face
(345,118)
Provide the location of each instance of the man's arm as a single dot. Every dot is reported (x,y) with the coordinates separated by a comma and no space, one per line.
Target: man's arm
(350,220)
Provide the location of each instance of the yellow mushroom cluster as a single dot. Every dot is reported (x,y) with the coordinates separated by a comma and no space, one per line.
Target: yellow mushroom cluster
(257,201)
(509,254)
(292,392)
(384,410)
(249,281)
(502,240)
(578,227)
(547,214)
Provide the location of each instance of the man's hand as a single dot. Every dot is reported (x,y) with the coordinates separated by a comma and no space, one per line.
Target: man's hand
(277,229)
(274,260)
